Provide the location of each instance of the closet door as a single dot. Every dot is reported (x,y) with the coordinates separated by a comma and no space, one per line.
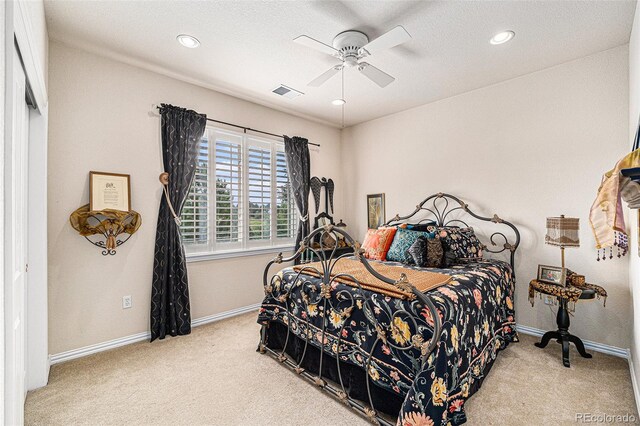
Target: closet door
(16,197)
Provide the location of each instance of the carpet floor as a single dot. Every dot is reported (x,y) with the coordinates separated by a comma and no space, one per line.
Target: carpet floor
(215,377)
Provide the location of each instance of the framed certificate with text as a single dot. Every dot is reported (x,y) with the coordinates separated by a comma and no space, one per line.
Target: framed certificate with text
(109,191)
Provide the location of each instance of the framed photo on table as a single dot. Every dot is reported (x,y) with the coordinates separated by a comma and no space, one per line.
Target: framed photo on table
(552,275)
(109,191)
(375,211)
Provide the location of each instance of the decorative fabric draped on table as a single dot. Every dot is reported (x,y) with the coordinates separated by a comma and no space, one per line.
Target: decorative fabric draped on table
(570,292)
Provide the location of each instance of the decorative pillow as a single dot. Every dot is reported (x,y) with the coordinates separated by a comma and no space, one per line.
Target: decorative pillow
(417,253)
(377,242)
(449,259)
(461,242)
(426,252)
(425,227)
(435,253)
(402,241)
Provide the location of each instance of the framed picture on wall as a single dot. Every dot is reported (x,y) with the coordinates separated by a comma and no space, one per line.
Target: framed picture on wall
(109,191)
(375,210)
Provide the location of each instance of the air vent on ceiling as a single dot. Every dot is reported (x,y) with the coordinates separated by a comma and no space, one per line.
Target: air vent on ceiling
(287,92)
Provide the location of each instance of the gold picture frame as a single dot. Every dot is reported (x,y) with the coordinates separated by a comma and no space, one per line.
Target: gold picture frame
(552,275)
(109,191)
(376,216)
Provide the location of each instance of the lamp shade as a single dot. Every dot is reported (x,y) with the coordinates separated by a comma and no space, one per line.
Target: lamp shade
(563,231)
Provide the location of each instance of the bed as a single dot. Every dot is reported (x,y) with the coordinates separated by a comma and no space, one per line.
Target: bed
(411,357)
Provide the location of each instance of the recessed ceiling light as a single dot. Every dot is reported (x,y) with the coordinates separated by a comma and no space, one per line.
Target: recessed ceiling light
(502,37)
(188,41)
(338,102)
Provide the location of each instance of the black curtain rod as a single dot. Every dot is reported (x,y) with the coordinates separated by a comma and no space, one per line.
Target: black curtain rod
(253,130)
(249,129)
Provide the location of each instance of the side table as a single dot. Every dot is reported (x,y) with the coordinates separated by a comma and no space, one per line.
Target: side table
(565,295)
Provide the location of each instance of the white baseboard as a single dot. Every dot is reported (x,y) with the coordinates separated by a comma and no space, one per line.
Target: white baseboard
(223,315)
(594,346)
(127,340)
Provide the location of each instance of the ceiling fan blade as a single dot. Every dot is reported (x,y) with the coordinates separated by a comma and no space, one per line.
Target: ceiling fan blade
(322,78)
(391,38)
(317,45)
(380,78)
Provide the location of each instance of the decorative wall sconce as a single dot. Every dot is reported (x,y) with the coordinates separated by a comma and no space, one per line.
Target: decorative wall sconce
(103,228)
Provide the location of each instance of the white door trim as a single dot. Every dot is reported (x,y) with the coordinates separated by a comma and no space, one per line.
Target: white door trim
(37,303)
(23,32)
(17,28)
(3,78)
(16,240)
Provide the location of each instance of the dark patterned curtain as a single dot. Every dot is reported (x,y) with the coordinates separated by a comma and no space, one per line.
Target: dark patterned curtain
(299,168)
(170,311)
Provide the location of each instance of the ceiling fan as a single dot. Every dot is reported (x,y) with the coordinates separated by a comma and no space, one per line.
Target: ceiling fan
(351,47)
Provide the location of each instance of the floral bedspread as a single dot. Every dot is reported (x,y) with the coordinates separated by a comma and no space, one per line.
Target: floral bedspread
(476,309)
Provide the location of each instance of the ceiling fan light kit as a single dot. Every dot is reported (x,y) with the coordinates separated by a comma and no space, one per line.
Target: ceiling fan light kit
(351,47)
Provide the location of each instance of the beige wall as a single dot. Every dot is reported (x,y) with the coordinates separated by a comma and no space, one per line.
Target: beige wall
(634,260)
(527,148)
(100,120)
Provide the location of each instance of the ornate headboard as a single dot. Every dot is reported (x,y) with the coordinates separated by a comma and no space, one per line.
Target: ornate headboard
(439,207)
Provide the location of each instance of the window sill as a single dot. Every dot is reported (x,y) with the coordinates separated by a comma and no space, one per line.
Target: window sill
(203,257)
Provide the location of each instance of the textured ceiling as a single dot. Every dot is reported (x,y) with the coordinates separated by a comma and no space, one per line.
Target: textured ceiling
(247,47)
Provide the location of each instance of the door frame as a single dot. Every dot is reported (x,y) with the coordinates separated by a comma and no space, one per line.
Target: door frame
(16,28)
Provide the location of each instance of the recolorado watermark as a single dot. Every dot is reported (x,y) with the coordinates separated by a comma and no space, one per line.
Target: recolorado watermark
(604,418)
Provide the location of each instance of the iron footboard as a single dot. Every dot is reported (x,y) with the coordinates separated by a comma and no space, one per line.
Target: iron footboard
(320,292)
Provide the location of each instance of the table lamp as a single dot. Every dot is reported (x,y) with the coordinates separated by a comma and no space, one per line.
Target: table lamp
(563,232)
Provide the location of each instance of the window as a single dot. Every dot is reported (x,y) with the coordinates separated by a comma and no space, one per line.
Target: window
(241,196)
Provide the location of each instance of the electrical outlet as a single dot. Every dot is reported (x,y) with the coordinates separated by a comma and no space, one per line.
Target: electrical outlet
(126,302)
(548,300)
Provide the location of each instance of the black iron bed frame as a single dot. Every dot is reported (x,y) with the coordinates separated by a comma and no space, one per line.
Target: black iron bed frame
(437,212)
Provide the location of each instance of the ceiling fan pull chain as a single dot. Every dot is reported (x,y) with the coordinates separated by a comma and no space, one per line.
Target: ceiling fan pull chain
(343,97)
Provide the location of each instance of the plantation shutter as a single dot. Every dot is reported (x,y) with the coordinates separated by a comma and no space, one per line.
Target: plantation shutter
(259,191)
(286,219)
(194,219)
(241,197)
(228,204)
